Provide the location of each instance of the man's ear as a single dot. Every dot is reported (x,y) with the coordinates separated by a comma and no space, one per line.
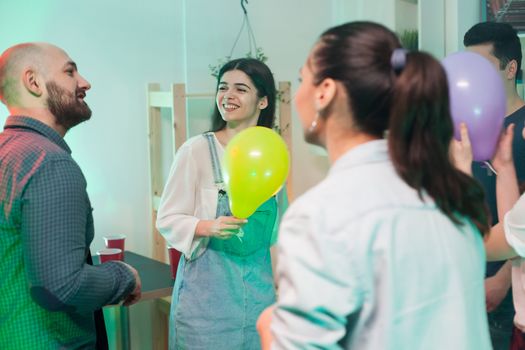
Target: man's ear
(511,70)
(263,102)
(32,82)
(325,93)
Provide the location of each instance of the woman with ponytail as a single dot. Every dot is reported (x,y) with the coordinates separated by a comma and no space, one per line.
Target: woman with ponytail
(387,251)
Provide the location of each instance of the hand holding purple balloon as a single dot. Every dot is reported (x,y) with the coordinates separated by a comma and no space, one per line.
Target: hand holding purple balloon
(477,98)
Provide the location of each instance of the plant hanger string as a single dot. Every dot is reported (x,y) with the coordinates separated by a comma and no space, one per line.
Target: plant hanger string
(251,36)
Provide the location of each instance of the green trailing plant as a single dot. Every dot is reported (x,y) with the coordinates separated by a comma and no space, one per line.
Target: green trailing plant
(409,39)
(278,130)
(215,68)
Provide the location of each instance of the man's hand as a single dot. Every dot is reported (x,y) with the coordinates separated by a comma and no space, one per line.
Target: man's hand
(137,291)
(263,327)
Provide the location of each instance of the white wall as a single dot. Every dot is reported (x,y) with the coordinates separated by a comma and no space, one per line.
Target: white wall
(406,16)
(442,24)
(119,47)
(383,11)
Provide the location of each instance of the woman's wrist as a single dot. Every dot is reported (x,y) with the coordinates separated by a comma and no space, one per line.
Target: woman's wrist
(506,169)
(202,228)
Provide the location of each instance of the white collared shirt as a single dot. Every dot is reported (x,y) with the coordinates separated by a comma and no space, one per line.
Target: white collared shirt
(361,254)
(514,225)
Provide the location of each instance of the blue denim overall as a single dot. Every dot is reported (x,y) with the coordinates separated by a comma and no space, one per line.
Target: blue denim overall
(218,296)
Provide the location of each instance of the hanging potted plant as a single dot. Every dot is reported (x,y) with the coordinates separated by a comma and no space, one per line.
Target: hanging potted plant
(255,52)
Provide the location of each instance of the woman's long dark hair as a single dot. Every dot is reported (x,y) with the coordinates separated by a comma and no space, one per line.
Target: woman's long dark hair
(410,101)
(262,79)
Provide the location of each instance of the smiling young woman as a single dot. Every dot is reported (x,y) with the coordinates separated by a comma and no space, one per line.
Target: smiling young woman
(224,281)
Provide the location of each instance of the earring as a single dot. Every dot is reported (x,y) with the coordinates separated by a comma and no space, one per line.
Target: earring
(314,123)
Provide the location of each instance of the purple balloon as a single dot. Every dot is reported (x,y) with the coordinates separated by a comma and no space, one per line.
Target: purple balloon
(477,98)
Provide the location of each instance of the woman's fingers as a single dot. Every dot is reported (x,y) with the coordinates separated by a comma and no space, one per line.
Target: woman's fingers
(231,227)
(463,131)
(228,226)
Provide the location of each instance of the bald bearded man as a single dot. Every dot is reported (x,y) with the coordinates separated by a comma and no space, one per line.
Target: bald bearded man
(50,294)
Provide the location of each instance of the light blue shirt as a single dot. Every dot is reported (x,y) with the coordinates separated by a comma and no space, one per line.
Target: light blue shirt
(364,263)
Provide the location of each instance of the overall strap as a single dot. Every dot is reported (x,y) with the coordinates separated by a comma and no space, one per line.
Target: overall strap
(216,165)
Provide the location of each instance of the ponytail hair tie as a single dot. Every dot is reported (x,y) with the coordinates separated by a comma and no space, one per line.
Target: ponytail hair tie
(398,60)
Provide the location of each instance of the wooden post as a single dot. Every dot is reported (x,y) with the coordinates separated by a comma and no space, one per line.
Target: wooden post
(178,116)
(155,103)
(285,126)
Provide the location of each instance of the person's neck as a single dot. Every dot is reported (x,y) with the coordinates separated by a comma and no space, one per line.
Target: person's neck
(514,102)
(41,114)
(341,142)
(225,135)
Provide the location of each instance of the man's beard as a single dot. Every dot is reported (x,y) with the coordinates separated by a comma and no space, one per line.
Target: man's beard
(66,107)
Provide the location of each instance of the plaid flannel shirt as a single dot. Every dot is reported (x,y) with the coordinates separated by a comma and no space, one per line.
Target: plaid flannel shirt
(48,292)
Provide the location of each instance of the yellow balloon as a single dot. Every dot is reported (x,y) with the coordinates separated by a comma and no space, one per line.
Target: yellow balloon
(255,166)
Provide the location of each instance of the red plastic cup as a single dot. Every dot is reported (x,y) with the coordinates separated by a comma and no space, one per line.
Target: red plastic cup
(174,255)
(115,241)
(109,254)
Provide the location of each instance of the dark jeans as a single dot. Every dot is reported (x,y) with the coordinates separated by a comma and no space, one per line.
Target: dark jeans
(501,320)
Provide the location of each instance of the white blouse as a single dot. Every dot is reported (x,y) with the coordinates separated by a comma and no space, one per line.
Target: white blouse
(190,195)
(514,225)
